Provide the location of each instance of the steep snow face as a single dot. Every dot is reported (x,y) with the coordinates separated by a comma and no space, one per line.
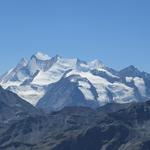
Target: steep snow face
(139,83)
(38,63)
(15,74)
(55,72)
(31,93)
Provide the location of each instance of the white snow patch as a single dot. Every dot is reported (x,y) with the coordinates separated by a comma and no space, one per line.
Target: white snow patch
(42,56)
(129,79)
(107,72)
(84,87)
(10,84)
(84,84)
(140,84)
(87,93)
(31,95)
(122,93)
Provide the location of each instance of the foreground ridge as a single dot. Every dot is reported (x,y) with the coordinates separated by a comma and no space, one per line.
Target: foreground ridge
(113,126)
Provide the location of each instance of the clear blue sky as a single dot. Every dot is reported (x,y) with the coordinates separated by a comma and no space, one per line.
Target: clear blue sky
(115,31)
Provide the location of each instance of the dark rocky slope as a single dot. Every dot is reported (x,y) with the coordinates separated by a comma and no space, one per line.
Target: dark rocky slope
(12,107)
(112,127)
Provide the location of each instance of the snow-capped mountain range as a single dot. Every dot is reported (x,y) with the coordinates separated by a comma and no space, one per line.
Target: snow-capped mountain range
(55,82)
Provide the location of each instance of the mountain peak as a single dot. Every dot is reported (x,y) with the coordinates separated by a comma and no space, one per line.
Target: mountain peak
(57,56)
(131,68)
(22,63)
(130,71)
(41,56)
(96,63)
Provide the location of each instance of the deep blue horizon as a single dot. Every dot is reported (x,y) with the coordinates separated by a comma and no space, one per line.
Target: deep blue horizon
(116,32)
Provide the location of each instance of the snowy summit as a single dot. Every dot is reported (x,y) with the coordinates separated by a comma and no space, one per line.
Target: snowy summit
(41,56)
